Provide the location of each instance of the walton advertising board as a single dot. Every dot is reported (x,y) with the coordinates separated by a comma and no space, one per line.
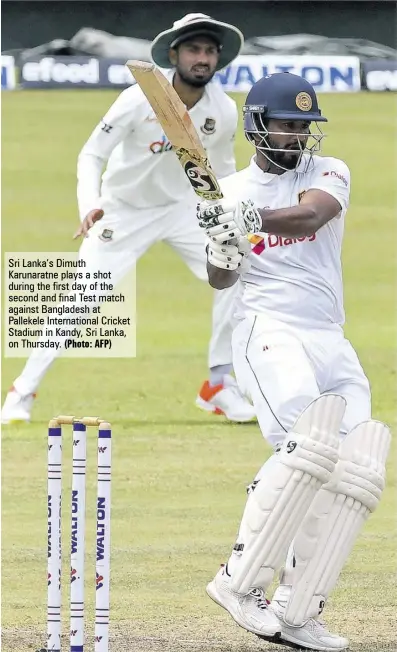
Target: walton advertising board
(327,74)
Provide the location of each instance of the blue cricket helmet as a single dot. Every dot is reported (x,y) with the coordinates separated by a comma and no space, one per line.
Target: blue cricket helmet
(284,96)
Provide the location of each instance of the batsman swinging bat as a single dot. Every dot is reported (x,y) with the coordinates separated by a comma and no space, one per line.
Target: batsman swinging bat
(178,127)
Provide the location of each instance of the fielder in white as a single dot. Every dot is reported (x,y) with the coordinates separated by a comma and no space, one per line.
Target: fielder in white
(144,197)
(308,503)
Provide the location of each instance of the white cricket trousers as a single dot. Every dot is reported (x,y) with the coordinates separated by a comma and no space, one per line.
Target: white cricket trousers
(282,368)
(133,231)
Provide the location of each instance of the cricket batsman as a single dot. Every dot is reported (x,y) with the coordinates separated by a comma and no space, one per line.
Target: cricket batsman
(310,500)
(144,197)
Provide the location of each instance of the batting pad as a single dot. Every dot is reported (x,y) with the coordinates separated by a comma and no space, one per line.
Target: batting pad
(277,506)
(333,522)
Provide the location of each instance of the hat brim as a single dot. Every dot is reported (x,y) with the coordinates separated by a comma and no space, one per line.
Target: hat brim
(230,37)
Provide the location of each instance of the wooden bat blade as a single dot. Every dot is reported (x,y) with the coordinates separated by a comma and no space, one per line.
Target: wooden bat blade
(178,127)
(167,105)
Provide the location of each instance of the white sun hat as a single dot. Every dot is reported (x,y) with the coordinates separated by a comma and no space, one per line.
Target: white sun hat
(229,38)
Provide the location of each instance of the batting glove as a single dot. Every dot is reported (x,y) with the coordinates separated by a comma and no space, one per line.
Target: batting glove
(225,255)
(223,221)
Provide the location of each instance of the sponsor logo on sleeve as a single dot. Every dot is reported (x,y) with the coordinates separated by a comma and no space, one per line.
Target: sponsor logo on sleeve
(332,173)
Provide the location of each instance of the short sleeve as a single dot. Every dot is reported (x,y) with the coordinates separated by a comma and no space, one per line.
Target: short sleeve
(333,176)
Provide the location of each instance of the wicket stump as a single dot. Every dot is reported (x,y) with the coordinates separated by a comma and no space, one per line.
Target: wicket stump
(78,533)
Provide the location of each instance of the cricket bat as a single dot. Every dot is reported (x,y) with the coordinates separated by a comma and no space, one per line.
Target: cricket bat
(178,127)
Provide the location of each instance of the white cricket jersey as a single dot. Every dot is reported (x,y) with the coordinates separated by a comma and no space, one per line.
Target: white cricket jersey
(298,280)
(141,168)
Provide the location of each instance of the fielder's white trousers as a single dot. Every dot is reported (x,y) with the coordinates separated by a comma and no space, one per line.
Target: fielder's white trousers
(283,368)
(133,232)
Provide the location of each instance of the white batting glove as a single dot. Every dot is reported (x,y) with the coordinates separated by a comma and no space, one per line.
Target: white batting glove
(219,226)
(223,256)
(229,256)
(223,221)
(244,249)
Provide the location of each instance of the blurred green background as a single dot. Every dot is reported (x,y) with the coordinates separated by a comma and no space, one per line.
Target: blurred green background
(179,475)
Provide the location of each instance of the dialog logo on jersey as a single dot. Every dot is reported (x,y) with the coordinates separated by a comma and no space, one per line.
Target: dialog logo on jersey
(336,174)
(160,146)
(270,241)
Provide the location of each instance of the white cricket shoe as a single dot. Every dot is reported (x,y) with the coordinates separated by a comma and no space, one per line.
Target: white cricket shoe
(17,407)
(226,399)
(312,636)
(250,611)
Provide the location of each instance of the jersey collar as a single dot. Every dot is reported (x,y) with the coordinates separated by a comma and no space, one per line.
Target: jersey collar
(261,177)
(265,178)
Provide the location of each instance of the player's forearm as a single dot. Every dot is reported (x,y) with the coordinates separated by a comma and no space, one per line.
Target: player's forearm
(89,173)
(294,222)
(220,279)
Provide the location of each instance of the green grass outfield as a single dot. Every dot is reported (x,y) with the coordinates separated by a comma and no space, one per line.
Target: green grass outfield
(179,475)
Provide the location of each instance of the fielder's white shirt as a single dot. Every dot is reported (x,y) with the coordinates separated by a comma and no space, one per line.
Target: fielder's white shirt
(297,280)
(141,169)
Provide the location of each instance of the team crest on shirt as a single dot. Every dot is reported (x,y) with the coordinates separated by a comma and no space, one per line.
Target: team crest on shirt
(208,127)
(106,235)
